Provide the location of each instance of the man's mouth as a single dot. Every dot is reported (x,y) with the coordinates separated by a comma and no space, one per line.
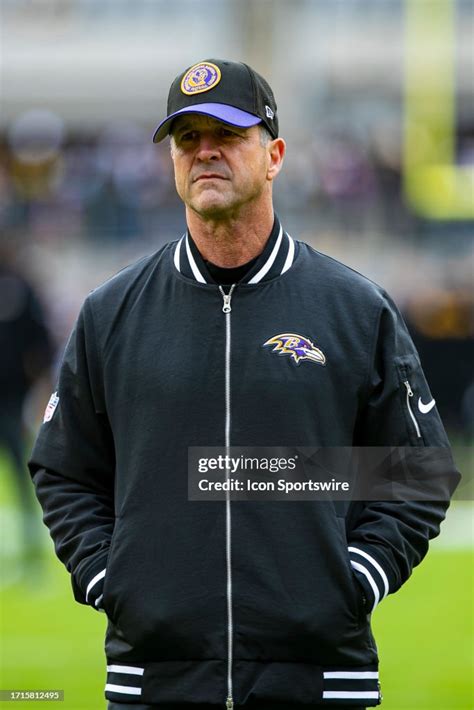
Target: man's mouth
(209,176)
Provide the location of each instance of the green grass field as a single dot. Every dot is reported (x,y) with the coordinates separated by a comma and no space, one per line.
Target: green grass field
(424,632)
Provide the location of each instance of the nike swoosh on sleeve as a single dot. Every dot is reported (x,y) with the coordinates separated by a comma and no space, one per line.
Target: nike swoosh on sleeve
(425,408)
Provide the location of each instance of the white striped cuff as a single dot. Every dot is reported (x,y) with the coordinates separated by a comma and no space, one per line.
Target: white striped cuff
(371,575)
(94,589)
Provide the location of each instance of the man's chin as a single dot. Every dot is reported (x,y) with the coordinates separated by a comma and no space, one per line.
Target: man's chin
(211,209)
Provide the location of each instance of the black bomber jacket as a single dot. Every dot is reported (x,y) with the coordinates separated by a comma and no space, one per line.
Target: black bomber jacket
(237,604)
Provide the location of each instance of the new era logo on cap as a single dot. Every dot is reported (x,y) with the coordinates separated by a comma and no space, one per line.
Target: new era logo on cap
(231,92)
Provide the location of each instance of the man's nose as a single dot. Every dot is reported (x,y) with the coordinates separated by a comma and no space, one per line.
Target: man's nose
(209,148)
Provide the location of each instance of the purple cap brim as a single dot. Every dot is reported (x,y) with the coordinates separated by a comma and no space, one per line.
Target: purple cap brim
(223,112)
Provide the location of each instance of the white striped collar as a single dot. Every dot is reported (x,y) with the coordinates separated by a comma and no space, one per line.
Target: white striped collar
(267,265)
(192,262)
(276,259)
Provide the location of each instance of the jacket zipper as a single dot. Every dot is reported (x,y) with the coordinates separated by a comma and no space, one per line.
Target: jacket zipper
(413,418)
(226,309)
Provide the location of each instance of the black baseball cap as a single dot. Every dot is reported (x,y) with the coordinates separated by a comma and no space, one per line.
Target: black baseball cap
(232,92)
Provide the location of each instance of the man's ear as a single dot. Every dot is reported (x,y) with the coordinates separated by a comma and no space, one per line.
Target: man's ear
(276,152)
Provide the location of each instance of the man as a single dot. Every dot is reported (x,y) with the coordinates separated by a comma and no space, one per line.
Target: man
(209,342)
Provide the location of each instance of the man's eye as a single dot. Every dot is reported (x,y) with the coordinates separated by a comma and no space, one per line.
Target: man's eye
(188,136)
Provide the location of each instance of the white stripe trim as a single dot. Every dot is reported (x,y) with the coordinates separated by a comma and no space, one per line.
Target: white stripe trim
(290,256)
(98,601)
(268,264)
(177,254)
(197,274)
(371,581)
(94,581)
(357,675)
(375,564)
(342,694)
(126,689)
(130,670)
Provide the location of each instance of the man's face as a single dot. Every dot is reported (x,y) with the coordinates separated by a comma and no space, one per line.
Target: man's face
(218,168)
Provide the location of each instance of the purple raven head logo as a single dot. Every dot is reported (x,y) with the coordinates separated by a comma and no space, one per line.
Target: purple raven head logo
(297,347)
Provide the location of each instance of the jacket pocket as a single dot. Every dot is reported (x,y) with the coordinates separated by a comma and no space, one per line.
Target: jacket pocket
(358,600)
(295,593)
(415,397)
(165,589)
(108,609)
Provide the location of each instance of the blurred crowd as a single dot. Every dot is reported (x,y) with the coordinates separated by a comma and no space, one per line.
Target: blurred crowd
(116,185)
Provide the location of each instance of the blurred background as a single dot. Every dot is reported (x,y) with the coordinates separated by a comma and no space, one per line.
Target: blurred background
(376,102)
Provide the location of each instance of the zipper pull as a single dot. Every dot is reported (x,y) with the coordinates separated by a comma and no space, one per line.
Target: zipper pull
(409,389)
(229,703)
(226,308)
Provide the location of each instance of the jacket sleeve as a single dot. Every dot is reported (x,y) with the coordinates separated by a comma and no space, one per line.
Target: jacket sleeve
(387,539)
(72,465)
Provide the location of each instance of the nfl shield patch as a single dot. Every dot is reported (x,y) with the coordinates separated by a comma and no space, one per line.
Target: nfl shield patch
(51,407)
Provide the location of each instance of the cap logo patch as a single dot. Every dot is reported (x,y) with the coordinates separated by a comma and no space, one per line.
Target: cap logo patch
(297,347)
(268,112)
(201,77)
